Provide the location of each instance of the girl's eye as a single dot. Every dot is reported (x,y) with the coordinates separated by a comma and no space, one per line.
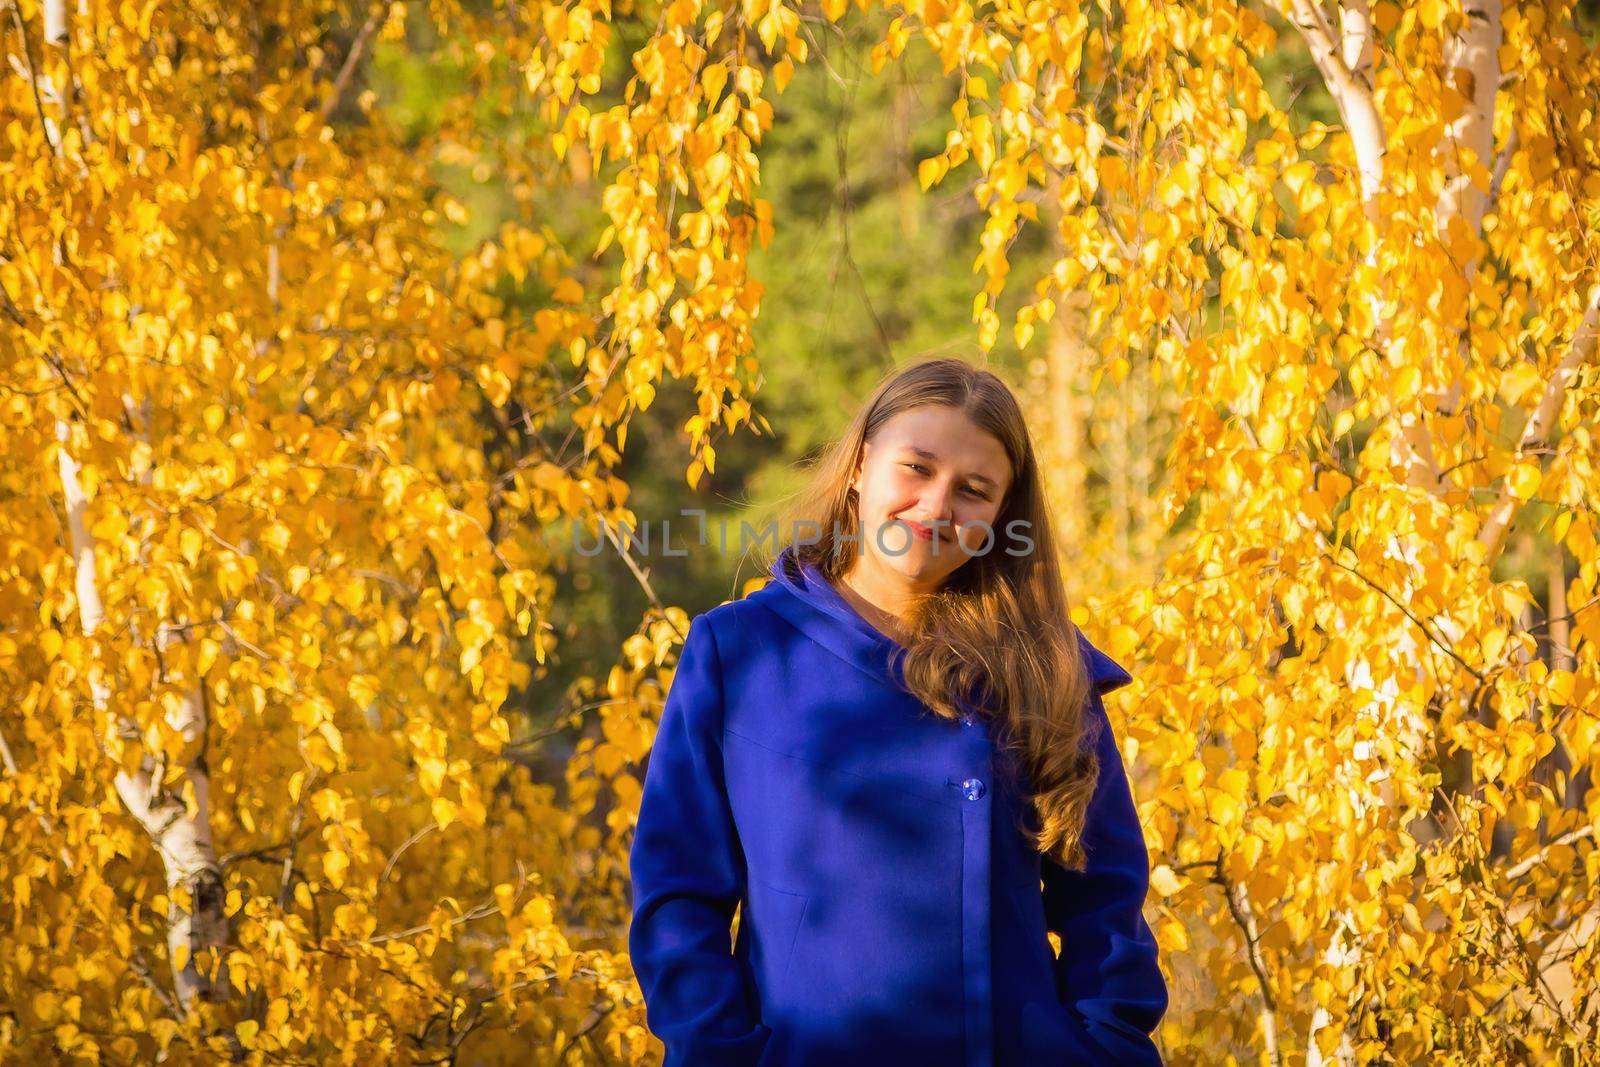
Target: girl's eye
(967,488)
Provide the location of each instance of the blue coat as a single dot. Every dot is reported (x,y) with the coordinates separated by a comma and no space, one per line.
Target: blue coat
(891,911)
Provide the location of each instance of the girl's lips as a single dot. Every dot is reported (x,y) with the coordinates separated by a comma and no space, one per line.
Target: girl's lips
(924,532)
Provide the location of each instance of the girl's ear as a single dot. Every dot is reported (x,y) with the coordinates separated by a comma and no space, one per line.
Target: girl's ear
(861,461)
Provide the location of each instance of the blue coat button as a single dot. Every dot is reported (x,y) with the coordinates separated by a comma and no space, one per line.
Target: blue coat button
(973,788)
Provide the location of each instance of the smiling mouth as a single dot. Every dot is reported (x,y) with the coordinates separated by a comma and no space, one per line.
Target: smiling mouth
(925,532)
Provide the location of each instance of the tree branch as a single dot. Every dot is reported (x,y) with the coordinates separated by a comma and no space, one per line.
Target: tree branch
(1541,423)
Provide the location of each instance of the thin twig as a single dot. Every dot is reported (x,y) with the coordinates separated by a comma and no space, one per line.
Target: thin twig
(353,59)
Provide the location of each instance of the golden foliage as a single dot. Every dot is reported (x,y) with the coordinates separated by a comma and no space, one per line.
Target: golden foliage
(230,328)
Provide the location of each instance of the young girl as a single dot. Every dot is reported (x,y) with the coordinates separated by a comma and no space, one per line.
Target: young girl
(895,760)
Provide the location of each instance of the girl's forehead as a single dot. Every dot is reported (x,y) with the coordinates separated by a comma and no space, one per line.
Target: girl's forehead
(945,435)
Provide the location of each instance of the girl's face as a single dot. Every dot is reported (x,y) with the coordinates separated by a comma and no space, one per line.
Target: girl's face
(926,483)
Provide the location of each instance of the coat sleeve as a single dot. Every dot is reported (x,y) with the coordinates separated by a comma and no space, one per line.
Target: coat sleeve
(687,869)
(1108,974)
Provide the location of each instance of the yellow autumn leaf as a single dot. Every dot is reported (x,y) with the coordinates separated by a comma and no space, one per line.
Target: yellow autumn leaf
(1164,881)
(1524,479)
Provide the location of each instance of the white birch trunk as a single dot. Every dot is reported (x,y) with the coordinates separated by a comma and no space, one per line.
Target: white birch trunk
(1346,63)
(181,834)
(182,837)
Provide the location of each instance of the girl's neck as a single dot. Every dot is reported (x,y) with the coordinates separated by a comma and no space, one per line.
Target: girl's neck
(884,600)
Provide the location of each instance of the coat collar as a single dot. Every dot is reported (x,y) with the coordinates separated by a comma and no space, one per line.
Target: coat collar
(816,608)
(803,596)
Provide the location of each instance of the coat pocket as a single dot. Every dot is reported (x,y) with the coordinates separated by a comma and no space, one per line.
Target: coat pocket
(775,917)
(1049,1037)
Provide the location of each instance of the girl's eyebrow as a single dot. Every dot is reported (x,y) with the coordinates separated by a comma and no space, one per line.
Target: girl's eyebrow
(925,454)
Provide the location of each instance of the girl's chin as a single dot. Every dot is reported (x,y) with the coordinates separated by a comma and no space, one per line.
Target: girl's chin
(922,560)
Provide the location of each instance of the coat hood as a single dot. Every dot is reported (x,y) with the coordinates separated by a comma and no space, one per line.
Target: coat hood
(802,595)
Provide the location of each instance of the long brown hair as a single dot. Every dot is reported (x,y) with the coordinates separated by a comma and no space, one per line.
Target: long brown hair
(998,632)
